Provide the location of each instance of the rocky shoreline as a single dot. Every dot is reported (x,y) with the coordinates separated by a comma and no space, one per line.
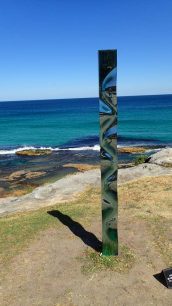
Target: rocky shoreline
(34,152)
(27,169)
(70,186)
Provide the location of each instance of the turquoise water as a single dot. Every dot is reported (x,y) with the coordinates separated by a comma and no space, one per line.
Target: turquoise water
(47,123)
(146,119)
(75,122)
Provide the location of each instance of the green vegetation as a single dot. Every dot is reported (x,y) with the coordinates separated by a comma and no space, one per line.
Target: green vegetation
(140,159)
(18,230)
(152,204)
(93,261)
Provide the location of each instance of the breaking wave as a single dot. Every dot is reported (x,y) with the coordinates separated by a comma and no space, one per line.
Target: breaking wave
(15,150)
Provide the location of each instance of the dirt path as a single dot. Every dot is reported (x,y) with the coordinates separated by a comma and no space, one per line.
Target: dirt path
(48,272)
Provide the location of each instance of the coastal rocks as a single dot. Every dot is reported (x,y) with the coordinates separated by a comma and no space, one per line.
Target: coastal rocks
(132,149)
(2,192)
(34,152)
(125,165)
(81,167)
(61,191)
(142,170)
(34,174)
(70,186)
(16,175)
(22,174)
(20,182)
(163,158)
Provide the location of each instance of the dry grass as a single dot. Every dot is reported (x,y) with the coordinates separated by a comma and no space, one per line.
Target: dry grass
(93,261)
(162,233)
(149,196)
(17,231)
(150,199)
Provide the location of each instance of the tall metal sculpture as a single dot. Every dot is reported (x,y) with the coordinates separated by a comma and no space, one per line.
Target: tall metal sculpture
(108,149)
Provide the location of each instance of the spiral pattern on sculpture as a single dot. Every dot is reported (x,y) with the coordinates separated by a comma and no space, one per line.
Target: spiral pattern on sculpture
(108,149)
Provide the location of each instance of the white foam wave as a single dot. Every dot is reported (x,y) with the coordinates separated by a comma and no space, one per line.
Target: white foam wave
(94,148)
(13,151)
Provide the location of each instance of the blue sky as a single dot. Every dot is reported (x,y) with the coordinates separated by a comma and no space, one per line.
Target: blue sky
(48,48)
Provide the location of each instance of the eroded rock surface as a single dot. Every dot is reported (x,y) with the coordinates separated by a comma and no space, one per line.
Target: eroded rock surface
(163,157)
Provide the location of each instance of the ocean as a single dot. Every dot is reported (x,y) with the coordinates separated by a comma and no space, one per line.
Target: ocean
(70,127)
(74,123)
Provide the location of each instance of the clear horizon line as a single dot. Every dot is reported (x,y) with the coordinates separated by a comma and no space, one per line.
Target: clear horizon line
(120,96)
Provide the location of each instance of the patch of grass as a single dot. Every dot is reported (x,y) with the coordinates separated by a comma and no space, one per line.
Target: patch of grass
(140,159)
(147,196)
(18,230)
(93,261)
(150,199)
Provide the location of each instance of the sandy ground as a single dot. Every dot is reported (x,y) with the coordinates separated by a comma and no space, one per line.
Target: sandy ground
(49,271)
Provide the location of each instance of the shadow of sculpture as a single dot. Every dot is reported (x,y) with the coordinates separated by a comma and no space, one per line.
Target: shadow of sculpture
(77,229)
